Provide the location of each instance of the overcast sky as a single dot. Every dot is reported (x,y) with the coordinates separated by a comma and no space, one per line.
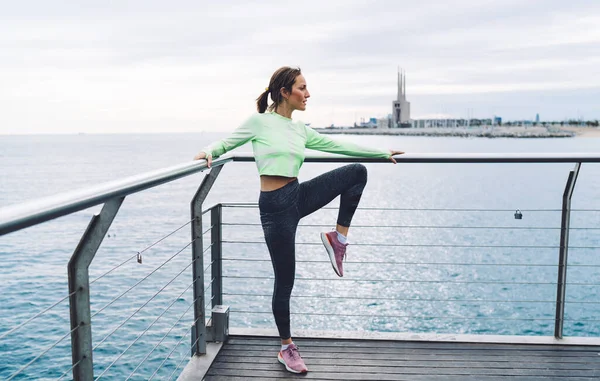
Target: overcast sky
(170,66)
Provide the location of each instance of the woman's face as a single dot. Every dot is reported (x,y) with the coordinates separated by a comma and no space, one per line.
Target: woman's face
(299,95)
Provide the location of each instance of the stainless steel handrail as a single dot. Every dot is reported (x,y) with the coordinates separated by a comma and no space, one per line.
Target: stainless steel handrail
(574,157)
(13,218)
(27,214)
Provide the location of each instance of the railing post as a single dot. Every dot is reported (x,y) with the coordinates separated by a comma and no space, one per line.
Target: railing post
(199,327)
(79,289)
(563,252)
(217,255)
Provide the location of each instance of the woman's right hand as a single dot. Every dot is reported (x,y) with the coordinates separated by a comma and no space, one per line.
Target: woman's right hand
(202,155)
(394,152)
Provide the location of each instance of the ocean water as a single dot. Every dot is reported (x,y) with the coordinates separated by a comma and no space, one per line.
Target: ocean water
(454,259)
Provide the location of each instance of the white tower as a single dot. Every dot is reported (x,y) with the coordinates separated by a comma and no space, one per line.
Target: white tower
(400,107)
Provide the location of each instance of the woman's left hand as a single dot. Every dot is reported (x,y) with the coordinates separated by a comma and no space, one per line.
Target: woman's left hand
(392,152)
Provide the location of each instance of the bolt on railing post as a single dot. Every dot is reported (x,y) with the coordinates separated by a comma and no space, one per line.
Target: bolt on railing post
(79,289)
(217,254)
(563,252)
(199,327)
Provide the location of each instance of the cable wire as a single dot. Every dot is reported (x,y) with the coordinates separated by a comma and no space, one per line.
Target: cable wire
(36,316)
(406,281)
(430,245)
(421,226)
(144,278)
(255,205)
(41,354)
(69,370)
(147,329)
(399,316)
(404,299)
(163,338)
(409,263)
(142,306)
(207,230)
(141,252)
(181,361)
(172,350)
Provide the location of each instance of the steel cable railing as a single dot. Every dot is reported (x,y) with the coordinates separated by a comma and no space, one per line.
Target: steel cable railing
(142,306)
(394,316)
(513,309)
(412,281)
(428,245)
(174,348)
(162,339)
(404,263)
(120,265)
(115,360)
(143,279)
(255,206)
(147,328)
(419,226)
(400,280)
(181,360)
(396,299)
(12,376)
(35,316)
(141,252)
(68,371)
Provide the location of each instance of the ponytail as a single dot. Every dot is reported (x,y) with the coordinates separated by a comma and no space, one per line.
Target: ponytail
(262,101)
(283,78)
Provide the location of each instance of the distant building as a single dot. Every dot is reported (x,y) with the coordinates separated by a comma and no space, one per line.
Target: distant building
(400,107)
(449,123)
(537,118)
(372,123)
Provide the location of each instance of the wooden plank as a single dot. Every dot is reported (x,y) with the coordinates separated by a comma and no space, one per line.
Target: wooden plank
(321,369)
(501,352)
(413,344)
(413,363)
(253,358)
(418,357)
(223,374)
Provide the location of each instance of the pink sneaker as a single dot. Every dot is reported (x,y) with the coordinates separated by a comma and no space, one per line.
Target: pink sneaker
(292,360)
(336,251)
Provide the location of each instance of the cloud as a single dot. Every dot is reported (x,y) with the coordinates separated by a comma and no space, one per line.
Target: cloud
(134,66)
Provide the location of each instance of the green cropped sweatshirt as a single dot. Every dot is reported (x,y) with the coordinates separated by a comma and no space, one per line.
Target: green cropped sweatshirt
(279,142)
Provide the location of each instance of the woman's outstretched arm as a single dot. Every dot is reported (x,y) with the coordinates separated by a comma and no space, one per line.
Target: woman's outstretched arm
(242,135)
(324,143)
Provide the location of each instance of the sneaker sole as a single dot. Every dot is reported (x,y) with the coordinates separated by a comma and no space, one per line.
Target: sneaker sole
(287,367)
(331,253)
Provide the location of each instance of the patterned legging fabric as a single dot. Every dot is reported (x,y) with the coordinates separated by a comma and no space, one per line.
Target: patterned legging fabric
(282,209)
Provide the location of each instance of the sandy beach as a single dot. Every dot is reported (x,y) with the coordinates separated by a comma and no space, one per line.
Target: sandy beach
(584,132)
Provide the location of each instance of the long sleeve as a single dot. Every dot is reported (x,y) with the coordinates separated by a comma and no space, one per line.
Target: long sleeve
(324,143)
(242,135)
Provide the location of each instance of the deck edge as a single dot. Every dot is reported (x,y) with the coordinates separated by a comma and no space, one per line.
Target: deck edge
(197,367)
(409,336)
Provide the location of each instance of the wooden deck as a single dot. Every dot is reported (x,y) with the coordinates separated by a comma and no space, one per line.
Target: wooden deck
(254,358)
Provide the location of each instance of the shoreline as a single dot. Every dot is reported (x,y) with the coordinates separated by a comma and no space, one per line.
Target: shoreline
(474,132)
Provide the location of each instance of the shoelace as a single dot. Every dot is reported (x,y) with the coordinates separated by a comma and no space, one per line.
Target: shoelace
(293,352)
(344,254)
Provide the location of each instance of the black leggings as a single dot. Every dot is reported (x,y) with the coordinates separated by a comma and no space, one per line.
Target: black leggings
(282,209)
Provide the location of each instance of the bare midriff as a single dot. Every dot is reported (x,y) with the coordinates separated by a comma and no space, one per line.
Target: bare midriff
(270,183)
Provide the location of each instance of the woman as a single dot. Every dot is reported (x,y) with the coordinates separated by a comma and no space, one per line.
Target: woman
(278,143)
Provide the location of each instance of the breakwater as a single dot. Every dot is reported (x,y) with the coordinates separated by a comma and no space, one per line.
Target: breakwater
(465,132)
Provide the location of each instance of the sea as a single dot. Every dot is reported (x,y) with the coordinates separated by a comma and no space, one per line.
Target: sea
(433,248)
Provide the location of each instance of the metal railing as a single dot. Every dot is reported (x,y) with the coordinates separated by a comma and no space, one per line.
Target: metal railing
(111,196)
(466,274)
